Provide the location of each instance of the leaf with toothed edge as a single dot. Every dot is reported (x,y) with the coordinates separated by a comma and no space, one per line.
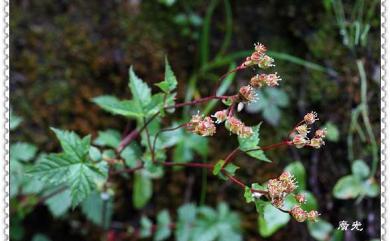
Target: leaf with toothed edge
(251,143)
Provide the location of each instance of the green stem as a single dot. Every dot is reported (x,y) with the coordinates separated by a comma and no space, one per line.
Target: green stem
(365,115)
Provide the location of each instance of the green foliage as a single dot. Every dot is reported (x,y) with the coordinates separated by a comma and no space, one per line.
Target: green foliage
(332,132)
(40,237)
(269,104)
(186,219)
(220,171)
(146,227)
(163,226)
(201,223)
(170,82)
(360,169)
(127,108)
(320,230)
(220,224)
(98,208)
(143,103)
(72,166)
(251,143)
(357,184)
(272,220)
(21,156)
(22,151)
(142,189)
(187,145)
(59,204)
(14,121)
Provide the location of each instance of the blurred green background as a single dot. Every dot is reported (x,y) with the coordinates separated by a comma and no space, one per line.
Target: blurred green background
(63,53)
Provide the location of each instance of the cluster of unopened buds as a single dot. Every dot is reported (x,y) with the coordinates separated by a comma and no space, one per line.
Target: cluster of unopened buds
(247,94)
(259,58)
(200,125)
(279,188)
(300,138)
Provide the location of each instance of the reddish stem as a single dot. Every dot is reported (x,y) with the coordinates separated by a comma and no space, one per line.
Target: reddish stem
(129,170)
(230,156)
(198,101)
(269,147)
(134,134)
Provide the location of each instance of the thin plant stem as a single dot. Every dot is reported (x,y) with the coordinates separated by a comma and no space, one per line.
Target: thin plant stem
(365,115)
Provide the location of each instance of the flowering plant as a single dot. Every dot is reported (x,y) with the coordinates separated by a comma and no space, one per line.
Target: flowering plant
(87,167)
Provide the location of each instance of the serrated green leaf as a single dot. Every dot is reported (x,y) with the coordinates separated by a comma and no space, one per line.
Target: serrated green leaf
(140,90)
(186,219)
(60,203)
(360,169)
(347,187)
(146,227)
(22,151)
(54,168)
(82,180)
(170,82)
(73,145)
(219,224)
(272,220)
(248,195)
(251,143)
(94,154)
(131,154)
(109,138)
(62,168)
(128,108)
(93,208)
(218,167)
(163,226)
(270,102)
(231,169)
(142,190)
(298,170)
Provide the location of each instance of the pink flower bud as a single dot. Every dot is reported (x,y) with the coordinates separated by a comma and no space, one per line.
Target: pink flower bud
(278,202)
(275,188)
(247,93)
(265,62)
(313,216)
(220,116)
(316,142)
(260,48)
(245,132)
(300,198)
(285,176)
(310,118)
(258,81)
(300,141)
(302,129)
(321,133)
(233,124)
(256,57)
(201,126)
(298,214)
(272,80)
